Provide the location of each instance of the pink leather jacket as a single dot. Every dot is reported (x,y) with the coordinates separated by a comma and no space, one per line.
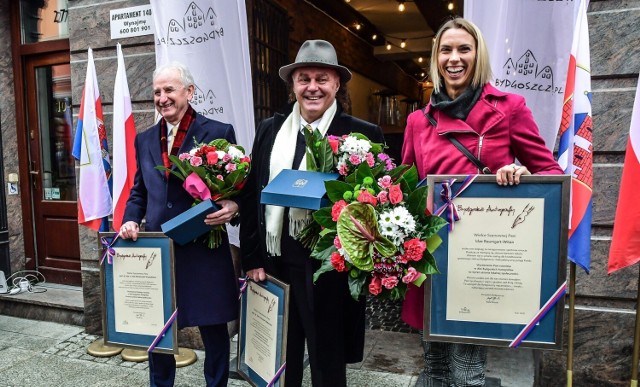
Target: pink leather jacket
(499,129)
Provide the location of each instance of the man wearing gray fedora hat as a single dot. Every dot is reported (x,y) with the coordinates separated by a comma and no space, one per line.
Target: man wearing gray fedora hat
(322,314)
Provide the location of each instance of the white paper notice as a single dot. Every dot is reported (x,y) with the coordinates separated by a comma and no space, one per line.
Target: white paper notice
(262,324)
(137,291)
(495,260)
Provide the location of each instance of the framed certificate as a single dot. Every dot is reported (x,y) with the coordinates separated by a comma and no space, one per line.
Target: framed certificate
(500,262)
(262,340)
(138,297)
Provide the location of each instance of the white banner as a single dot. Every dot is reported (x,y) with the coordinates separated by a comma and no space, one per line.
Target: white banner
(211,37)
(529,44)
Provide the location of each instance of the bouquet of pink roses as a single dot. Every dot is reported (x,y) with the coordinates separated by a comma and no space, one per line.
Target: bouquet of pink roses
(217,170)
(378,228)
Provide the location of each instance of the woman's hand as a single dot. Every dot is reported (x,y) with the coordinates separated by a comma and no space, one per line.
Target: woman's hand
(129,230)
(224,215)
(510,174)
(257,274)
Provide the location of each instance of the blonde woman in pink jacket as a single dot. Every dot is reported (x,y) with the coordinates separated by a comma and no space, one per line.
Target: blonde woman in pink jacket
(496,128)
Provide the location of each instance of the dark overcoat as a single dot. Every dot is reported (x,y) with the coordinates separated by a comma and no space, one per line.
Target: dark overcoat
(253,231)
(206,289)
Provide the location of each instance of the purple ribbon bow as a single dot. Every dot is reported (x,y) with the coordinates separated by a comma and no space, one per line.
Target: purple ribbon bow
(109,251)
(448,196)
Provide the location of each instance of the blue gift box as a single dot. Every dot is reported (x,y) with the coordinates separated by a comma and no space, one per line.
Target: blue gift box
(189,225)
(298,189)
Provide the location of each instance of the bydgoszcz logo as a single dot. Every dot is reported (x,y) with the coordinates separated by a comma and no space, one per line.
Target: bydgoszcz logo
(300,183)
(527,74)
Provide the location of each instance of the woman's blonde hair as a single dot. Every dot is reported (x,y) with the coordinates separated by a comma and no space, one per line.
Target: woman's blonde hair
(482,72)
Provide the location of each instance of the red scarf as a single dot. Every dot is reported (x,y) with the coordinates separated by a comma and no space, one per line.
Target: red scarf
(187,119)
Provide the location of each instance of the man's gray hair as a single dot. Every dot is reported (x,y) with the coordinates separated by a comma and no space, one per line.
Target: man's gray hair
(183,71)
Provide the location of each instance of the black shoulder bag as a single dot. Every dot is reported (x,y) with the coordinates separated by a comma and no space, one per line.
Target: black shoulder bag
(485,170)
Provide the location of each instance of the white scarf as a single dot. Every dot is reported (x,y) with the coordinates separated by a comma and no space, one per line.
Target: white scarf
(284,148)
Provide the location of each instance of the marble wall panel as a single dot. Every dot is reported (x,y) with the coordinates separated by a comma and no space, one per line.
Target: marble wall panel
(9,133)
(611,110)
(606,187)
(613,38)
(603,344)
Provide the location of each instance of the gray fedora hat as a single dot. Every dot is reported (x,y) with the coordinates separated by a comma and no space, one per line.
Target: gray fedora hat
(315,53)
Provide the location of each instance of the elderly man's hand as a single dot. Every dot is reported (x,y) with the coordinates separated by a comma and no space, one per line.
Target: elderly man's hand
(224,215)
(129,230)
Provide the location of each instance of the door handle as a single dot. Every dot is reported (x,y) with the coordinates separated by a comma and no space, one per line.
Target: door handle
(34,172)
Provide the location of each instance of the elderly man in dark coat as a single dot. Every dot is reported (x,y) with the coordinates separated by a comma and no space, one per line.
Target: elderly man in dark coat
(206,289)
(322,313)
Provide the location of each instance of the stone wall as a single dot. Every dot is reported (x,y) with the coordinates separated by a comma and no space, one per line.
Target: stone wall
(10,139)
(605,305)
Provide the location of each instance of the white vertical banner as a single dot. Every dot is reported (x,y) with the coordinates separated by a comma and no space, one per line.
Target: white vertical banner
(529,44)
(211,37)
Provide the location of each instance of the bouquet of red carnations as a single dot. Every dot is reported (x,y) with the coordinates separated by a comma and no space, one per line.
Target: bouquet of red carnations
(378,228)
(217,170)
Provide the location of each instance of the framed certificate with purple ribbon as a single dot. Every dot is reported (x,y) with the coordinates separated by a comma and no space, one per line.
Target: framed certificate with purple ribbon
(262,339)
(502,261)
(138,296)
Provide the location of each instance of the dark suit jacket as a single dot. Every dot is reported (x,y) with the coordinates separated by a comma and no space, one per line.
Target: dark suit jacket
(206,289)
(253,230)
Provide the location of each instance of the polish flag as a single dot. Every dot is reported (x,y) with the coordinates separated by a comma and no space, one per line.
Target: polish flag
(625,243)
(90,149)
(124,153)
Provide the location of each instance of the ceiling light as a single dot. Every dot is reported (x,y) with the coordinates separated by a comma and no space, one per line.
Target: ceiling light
(403,43)
(358,26)
(388,46)
(420,60)
(401,6)
(374,37)
(450,6)
(422,74)
(348,1)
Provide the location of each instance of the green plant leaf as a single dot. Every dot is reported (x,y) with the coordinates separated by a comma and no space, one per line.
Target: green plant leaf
(431,226)
(336,189)
(409,179)
(417,201)
(323,218)
(359,235)
(220,144)
(356,285)
(324,247)
(325,267)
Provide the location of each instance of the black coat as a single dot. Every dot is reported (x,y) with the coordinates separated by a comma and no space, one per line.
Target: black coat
(253,231)
(206,288)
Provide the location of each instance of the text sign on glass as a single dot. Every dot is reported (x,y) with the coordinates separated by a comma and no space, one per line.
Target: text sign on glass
(130,22)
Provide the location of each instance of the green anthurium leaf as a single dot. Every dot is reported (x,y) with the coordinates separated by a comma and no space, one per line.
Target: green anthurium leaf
(351,179)
(325,156)
(409,179)
(417,201)
(359,235)
(336,189)
(356,285)
(427,264)
(323,218)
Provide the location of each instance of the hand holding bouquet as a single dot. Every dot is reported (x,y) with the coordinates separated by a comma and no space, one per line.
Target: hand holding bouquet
(217,170)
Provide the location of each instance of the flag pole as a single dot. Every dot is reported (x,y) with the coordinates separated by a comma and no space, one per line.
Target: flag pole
(636,342)
(572,305)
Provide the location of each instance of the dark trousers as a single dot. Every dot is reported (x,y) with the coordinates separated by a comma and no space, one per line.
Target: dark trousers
(162,367)
(312,320)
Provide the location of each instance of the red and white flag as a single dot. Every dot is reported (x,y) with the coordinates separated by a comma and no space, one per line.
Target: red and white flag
(90,149)
(625,243)
(124,133)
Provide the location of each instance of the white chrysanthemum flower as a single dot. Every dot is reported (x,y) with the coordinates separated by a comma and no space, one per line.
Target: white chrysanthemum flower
(235,152)
(220,154)
(193,151)
(353,145)
(403,218)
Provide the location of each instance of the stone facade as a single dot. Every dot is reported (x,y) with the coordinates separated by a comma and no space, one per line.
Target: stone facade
(605,306)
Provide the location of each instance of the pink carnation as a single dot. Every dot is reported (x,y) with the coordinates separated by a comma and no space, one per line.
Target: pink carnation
(385,181)
(395,194)
(412,275)
(370,160)
(414,248)
(343,170)
(355,159)
(184,156)
(220,177)
(230,167)
(196,161)
(383,197)
(338,262)
(337,209)
(390,282)
(337,243)
(375,286)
